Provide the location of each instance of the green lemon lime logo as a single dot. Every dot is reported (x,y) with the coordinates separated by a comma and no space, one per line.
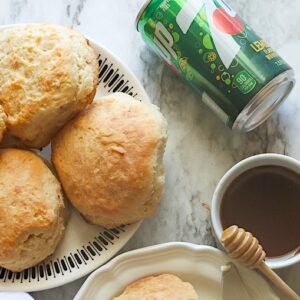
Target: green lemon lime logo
(207,42)
(176,36)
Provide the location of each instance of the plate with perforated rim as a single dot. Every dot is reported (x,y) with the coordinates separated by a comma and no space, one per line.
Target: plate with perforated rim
(84,247)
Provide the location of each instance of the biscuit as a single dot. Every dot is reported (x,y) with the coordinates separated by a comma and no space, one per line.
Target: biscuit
(48,73)
(109,160)
(2,123)
(161,287)
(32,211)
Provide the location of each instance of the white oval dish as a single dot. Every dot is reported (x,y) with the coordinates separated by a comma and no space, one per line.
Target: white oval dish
(84,247)
(199,265)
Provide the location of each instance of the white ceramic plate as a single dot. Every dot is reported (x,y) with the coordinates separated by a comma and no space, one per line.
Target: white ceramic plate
(199,265)
(84,247)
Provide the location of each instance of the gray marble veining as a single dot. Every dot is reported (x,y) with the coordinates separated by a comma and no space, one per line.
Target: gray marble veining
(200,148)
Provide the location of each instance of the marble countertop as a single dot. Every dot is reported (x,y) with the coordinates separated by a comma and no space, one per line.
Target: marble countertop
(200,148)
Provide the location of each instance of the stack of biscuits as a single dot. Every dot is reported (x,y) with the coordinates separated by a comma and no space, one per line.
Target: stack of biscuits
(107,153)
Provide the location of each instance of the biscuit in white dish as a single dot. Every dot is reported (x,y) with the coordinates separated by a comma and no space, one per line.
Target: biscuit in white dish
(161,287)
(32,210)
(2,123)
(110,160)
(48,73)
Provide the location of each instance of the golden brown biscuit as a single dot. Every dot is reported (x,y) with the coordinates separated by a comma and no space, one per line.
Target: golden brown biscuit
(161,287)
(109,160)
(48,73)
(32,210)
(2,123)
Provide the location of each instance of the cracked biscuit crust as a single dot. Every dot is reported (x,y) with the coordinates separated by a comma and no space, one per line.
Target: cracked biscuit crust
(48,73)
(32,210)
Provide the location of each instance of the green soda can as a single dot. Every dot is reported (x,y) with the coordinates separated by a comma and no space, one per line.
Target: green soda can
(238,75)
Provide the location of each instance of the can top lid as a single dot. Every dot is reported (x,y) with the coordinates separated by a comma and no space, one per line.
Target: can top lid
(143,7)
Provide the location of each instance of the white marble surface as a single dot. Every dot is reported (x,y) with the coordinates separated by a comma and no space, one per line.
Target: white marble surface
(200,148)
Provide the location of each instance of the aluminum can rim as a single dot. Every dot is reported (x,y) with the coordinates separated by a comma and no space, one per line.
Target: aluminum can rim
(142,9)
(287,77)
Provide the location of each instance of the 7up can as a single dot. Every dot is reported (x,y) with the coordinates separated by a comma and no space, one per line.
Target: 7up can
(239,76)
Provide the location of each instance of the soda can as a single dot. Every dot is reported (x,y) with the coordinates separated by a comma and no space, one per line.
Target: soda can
(237,74)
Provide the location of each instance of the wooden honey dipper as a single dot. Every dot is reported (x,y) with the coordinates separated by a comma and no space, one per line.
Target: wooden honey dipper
(245,248)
